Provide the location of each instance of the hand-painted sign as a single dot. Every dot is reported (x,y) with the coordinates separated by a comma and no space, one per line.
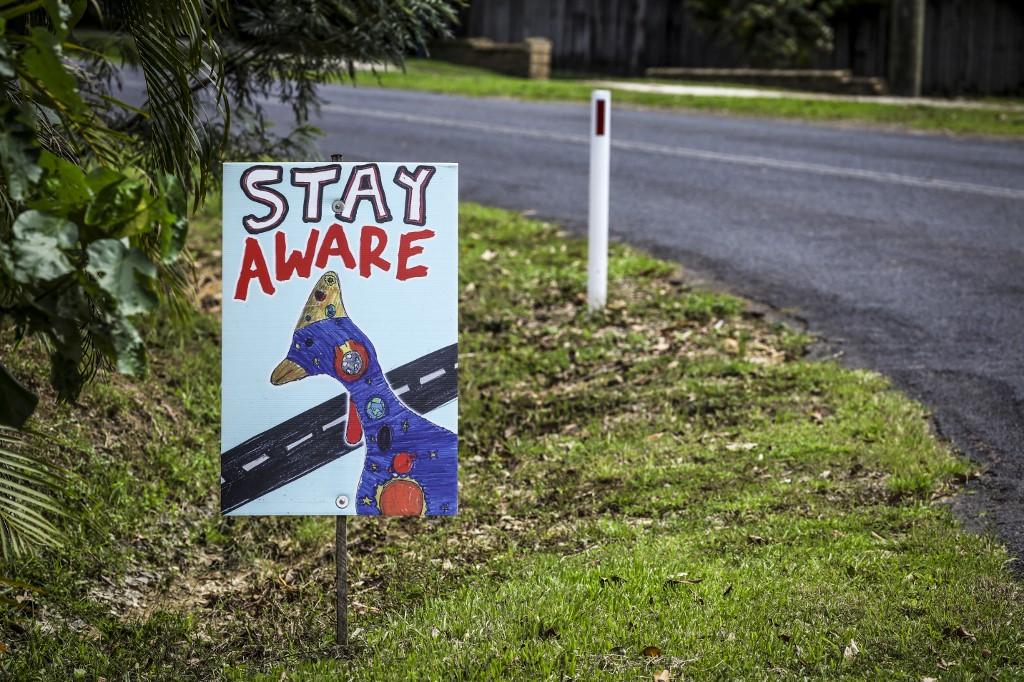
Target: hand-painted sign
(339,357)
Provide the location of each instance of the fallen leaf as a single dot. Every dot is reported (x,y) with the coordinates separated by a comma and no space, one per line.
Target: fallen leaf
(663,676)
(612,579)
(986,653)
(488,255)
(946,665)
(851,651)
(435,633)
(651,651)
(961,632)
(727,591)
(756,540)
(682,579)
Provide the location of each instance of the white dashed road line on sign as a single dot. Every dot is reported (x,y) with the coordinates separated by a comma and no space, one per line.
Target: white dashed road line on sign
(333,423)
(255,463)
(433,375)
(299,442)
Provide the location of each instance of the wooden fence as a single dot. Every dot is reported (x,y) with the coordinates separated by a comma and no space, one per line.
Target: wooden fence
(971,46)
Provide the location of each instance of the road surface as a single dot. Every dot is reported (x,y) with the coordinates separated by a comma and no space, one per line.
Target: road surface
(905,251)
(315,438)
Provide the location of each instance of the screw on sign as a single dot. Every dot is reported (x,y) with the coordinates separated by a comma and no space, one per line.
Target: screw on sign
(341,310)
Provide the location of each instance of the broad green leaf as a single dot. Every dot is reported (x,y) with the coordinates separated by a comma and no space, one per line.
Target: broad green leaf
(64,187)
(100,177)
(172,240)
(18,152)
(36,254)
(174,224)
(124,273)
(42,63)
(115,206)
(63,232)
(130,350)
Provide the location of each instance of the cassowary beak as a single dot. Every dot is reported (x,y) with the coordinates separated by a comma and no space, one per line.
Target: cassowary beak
(287,371)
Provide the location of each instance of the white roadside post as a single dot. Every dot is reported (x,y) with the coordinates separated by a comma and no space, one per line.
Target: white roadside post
(600,153)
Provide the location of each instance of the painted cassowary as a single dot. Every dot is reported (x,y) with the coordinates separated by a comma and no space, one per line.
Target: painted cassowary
(411,462)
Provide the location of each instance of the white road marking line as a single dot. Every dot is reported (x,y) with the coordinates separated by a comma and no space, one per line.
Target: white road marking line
(692,153)
(298,442)
(331,424)
(430,377)
(255,463)
(400,391)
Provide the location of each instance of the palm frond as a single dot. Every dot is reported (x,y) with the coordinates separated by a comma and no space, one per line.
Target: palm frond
(28,501)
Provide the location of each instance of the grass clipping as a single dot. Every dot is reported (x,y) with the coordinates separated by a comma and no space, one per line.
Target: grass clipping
(657,490)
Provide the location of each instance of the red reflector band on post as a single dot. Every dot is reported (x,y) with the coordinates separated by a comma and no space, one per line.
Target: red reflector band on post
(599,118)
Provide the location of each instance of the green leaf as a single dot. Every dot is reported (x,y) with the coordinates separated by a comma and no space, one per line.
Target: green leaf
(100,177)
(174,224)
(124,273)
(18,152)
(64,189)
(114,206)
(42,63)
(129,348)
(36,255)
(172,240)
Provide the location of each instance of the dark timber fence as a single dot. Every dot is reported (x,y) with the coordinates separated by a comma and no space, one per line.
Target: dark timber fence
(971,46)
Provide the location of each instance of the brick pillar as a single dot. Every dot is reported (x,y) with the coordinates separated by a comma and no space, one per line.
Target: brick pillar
(540,58)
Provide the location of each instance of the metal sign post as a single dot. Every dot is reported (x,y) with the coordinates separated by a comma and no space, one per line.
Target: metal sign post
(597,238)
(341,578)
(340,559)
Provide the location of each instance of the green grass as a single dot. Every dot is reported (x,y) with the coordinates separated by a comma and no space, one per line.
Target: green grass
(434,76)
(667,473)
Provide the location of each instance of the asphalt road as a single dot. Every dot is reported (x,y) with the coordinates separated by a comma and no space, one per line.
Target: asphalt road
(905,251)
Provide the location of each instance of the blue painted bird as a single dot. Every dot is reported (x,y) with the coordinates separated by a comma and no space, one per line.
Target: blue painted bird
(411,463)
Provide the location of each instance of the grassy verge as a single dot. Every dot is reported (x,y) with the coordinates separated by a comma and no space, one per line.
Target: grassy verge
(440,77)
(665,485)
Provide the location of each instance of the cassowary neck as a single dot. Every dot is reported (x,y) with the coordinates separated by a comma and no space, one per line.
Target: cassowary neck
(373,382)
